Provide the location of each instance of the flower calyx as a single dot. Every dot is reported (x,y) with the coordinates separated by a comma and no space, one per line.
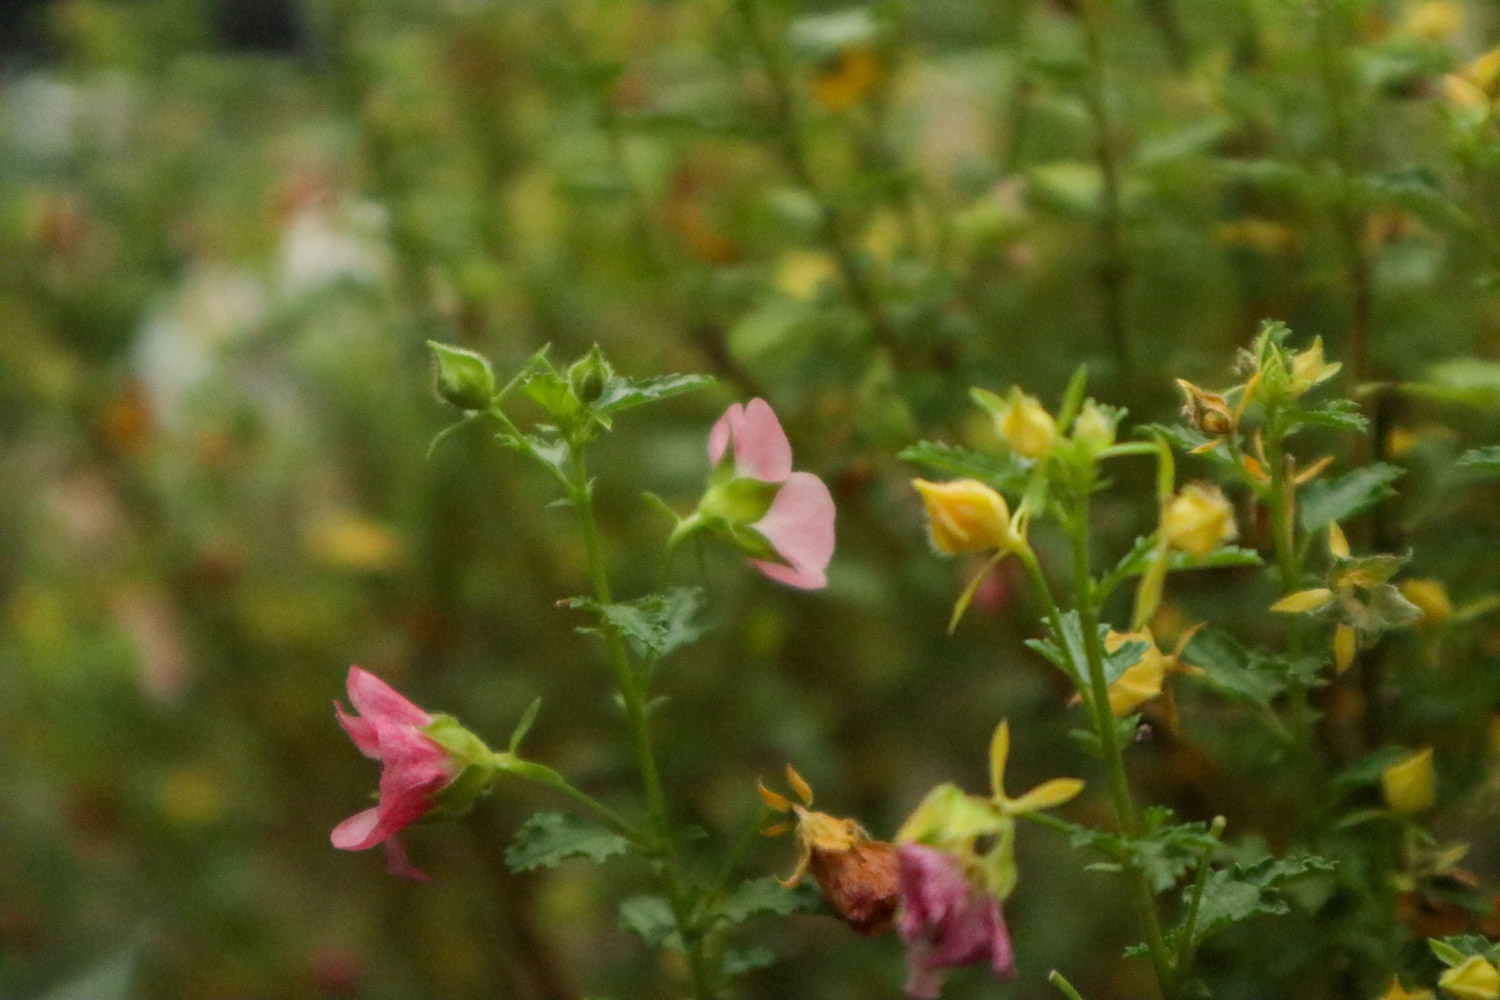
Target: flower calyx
(858,875)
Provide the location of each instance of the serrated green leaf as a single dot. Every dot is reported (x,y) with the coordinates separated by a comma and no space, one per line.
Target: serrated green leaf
(1135,562)
(548,839)
(1242,891)
(765,896)
(650,918)
(1071,657)
(1229,670)
(657,624)
(1455,948)
(1163,852)
(1353,493)
(1007,473)
(622,393)
(1335,414)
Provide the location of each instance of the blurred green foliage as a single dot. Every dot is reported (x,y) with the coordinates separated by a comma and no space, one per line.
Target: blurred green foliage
(218,271)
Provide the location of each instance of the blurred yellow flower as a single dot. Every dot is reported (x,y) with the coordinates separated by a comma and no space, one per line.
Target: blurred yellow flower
(1026,425)
(1432,20)
(1475,979)
(1397,992)
(848,78)
(1410,784)
(1199,519)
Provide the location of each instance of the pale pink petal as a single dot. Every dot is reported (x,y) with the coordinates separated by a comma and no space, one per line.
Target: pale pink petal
(353,834)
(361,731)
(946,920)
(761,450)
(723,430)
(373,697)
(397,862)
(799,527)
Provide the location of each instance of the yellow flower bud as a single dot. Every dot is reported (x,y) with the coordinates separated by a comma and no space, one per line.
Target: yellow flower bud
(965,515)
(1475,979)
(1141,681)
(1094,427)
(1198,520)
(1308,368)
(1432,598)
(1026,426)
(1410,786)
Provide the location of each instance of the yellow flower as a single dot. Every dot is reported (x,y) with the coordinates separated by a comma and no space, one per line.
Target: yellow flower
(1094,427)
(1410,784)
(1432,20)
(1026,426)
(1475,979)
(1143,679)
(1397,992)
(1432,598)
(849,77)
(1345,645)
(1308,368)
(1198,520)
(965,515)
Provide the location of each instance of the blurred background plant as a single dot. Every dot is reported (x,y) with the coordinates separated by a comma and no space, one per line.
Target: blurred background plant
(228,228)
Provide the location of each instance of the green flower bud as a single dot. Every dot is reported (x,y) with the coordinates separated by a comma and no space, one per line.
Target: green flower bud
(464,378)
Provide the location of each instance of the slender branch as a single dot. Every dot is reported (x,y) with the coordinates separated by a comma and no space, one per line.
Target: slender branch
(632,696)
(1185,945)
(833,226)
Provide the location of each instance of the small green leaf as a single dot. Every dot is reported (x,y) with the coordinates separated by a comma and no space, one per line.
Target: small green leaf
(548,839)
(1353,493)
(1335,414)
(650,918)
(1163,852)
(1368,769)
(657,624)
(765,896)
(1136,561)
(1229,670)
(622,393)
(1007,473)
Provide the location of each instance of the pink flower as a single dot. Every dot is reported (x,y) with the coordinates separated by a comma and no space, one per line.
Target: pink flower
(799,523)
(947,920)
(414,768)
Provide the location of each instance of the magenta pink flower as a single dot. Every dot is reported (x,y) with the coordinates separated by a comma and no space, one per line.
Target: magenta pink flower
(947,920)
(414,768)
(799,523)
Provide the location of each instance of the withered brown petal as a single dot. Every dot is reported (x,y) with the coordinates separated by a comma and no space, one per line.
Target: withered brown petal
(862,883)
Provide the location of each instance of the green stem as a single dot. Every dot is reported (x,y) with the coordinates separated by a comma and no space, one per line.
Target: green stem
(543,775)
(633,697)
(1283,515)
(1064,987)
(1104,727)
(1185,945)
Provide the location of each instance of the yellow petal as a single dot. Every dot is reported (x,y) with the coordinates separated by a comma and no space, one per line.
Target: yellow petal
(801,787)
(1303,601)
(1475,979)
(780,803)
(1045,796)
(1410,785)
(1338,545)
(1345,642)
(999,752)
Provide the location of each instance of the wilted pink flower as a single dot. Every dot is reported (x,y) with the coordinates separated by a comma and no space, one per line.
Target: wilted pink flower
(414,768)
(799,523)
(947,920)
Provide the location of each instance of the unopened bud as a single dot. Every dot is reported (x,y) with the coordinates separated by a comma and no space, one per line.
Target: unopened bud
(1026,426)
(965,515)
(1410,784)
(1198,520)
(463,378)
(1476,979)
(587,375)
